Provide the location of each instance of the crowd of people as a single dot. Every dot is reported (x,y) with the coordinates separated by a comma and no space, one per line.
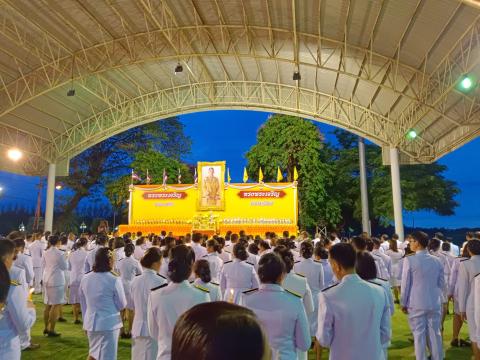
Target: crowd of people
(240,296)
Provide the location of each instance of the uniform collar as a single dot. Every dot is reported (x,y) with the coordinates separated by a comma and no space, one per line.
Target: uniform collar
(271,287)
(199,281)
(425,251)
(309,259)
(149,270)
(350,277)
(184,283)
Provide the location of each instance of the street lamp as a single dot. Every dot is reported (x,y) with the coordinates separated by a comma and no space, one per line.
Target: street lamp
(58,186)
(14,154)
(83,227)
(21,227)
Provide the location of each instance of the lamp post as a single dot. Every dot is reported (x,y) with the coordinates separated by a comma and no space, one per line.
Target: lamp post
(21,227)
(83,227)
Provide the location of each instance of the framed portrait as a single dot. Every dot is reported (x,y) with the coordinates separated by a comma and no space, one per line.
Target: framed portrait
(211,185)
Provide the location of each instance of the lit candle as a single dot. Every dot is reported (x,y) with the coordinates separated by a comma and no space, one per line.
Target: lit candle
(230,299)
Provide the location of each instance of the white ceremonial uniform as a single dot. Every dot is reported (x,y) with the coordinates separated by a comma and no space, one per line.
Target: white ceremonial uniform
(215,265)
(466,296)
(119,255)
(18,275)
(476,289)
(354,319)
(36,250)
(101,299)
(90,260)
(17,319)
(212,286)
(383,264)
(76,263)
(165,306)
(283,317)
(235,277)
(385,246)
(453,283)
(144,347)
(128,269)
(313,271)
(225,256)
(454,250)
(328,276)
(199,250)
(139,252)
(24,262)
(54,265)
(164,268)
(423,282)
(396,259)
(446,272)
(391,305)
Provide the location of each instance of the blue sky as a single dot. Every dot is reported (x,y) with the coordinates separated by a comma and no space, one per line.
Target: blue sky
(227,135)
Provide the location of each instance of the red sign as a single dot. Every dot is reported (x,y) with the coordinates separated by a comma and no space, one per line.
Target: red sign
(263,194)
(165,195)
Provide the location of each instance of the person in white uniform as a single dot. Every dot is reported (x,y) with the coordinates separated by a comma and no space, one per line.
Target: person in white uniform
(467,271)
(476,310)
(36,251)
(54,264)
(221,252)
(396,257)
(101,241)
(321,256)
(102,298)
(23,261)
(353,315)
(197,247)
(237,275)
(144,346)
(421,298)
(361,244)
(281,313)
(76,263)
(18,313)
(168,302)
(129,267)
(213,258)
(203,278)
(119,251)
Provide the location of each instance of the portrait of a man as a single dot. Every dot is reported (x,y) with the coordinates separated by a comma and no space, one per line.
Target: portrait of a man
(211,185)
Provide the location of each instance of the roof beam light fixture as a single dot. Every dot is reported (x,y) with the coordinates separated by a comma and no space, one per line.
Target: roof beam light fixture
(467,83)
(14,154)
(411,134)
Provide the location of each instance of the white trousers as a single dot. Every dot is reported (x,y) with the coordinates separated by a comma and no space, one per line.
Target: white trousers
(37,278)
(103,345)
(426,326)
(144,348)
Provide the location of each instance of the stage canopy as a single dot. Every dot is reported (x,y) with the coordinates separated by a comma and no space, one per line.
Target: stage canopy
(376,68)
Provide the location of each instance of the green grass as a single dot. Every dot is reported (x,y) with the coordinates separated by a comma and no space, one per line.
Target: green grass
(73,345)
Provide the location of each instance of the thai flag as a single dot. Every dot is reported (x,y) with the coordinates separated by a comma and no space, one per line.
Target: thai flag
(179,176)
(135,176)
(165,177)
(195,177)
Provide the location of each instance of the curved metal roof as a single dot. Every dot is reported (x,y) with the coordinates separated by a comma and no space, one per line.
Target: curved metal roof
(377,68)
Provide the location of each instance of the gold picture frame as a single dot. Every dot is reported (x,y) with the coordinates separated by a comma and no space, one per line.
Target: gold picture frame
(211,185)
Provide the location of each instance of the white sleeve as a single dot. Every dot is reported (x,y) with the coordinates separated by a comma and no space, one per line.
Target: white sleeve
(325,322)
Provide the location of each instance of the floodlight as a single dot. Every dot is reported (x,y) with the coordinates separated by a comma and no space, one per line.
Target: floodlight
(14,154)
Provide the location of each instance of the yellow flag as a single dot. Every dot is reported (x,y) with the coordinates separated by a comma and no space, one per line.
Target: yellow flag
(228,176)
(279,175)
(260,175)
(295,174)
(245,175)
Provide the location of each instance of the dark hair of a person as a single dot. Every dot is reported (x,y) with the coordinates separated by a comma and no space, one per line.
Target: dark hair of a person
(369,244)
(118,243)
(221,244)
(465,252)
(129,250)
(53,240)
(270,268)
(321,252)
(240,252)
(4,282)
(393,245)
(365,266)
(169,244)
(253,249)
(234,238)
(286,255)
(421,238)
(306,249)
(19,243)
(434,244)
(446,246)
(197,237)
(395,237)
(201,268)
(212,243)
(211,331)
(264,245)
(140,241)
(7,247)
(81,242)
(102,260)
(376,242)
(180,263)
(152,255)
(111,242)
(408,250)
(474,247)
(102,239)
(359,243)
(64,239)
(344,255)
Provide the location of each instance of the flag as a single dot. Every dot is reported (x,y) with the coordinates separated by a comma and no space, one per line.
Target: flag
(245,175)
(195,177)
(295,174)
(148,179)
(165,177)
(279,175)
(135,176)
(260,175)
(179,176)
(228,176)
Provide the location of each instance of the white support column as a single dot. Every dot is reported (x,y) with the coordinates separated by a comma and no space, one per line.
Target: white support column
(50,198)
(363,185)
(396,192)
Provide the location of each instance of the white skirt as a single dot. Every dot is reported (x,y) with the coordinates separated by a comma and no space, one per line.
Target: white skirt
(144,348)
(73,297)
(103,345)
(54,295)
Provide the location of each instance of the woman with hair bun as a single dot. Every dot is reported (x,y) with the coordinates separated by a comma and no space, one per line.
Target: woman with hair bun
(221,253)
(144,347)
(128,268)
(102,298)
(237,275)
(76,262)
(213,258)
(169,244)
(168,302)
(203,277)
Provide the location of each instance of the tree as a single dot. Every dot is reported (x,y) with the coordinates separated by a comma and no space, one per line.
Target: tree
(288,142)
(110,159)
